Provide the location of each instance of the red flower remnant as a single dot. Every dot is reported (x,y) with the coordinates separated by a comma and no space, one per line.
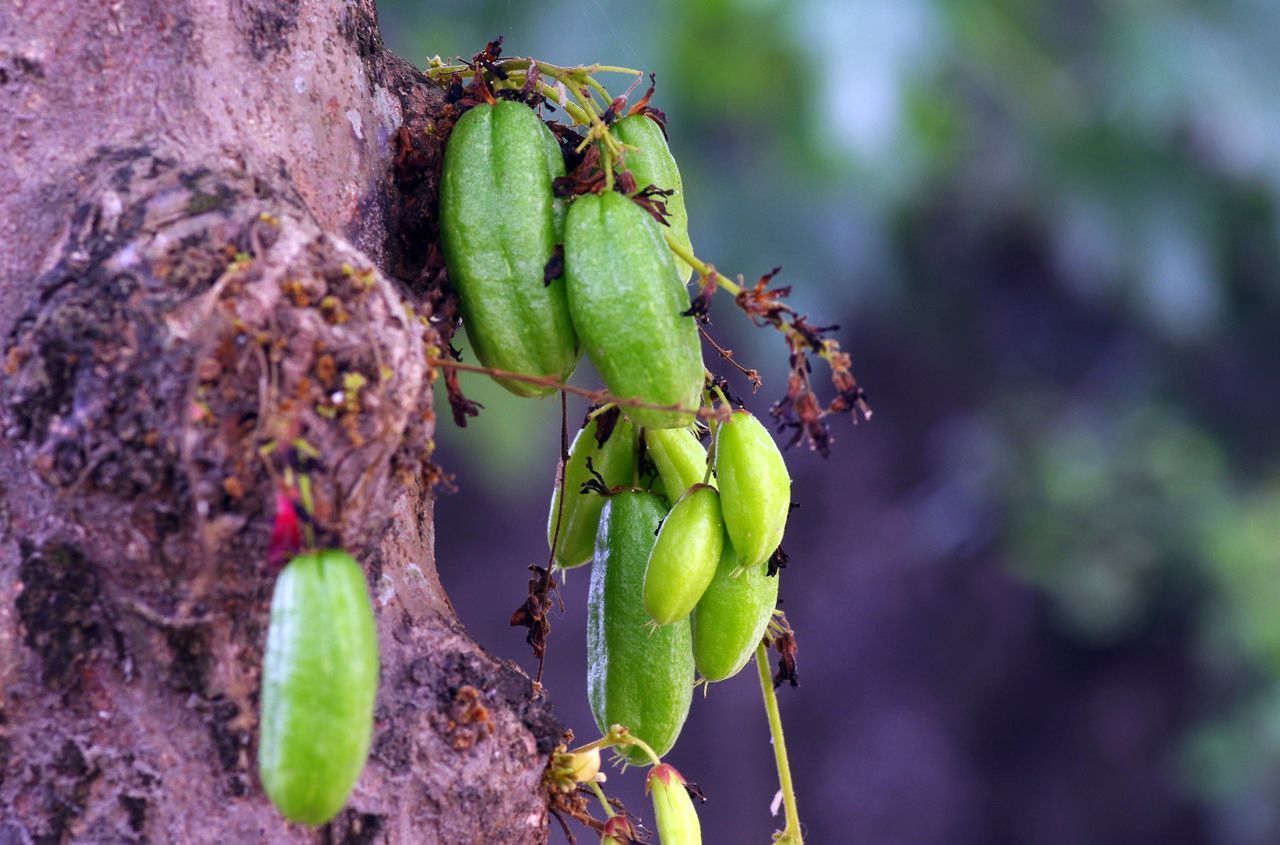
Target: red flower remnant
(286,531)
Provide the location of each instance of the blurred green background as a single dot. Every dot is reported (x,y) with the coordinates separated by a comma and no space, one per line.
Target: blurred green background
(1038,596)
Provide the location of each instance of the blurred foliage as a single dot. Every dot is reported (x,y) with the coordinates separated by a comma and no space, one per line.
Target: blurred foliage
(1066,215)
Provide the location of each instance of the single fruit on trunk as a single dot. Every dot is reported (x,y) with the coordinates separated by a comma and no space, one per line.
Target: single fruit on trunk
(628,308)
(319,682)
(499,226)
(636,676)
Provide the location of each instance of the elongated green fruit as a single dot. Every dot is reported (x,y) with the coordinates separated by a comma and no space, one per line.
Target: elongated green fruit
(731,617)
(615,462)
(755,490)
(319,681)
(636,677)
(652,164)
(627,307)
(673,809)
(681,460)
(498,226)
(684,558)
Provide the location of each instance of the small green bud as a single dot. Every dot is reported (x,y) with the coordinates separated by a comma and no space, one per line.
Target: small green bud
(673,810)
(585,765)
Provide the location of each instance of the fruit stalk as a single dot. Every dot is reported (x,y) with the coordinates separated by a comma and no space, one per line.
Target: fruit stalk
(791,833)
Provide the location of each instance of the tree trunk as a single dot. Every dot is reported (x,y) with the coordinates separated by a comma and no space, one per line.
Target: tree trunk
(216,244)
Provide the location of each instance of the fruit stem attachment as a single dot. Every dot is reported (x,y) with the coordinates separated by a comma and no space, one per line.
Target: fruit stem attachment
(619,736)
(790,835)
(701,267)
(606,161)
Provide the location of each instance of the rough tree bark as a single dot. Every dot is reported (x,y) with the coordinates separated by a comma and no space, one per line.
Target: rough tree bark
(215,237)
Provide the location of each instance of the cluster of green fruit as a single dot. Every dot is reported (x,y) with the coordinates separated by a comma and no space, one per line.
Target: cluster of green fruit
(702,579)
(622,294)
(679,577)
(319,682)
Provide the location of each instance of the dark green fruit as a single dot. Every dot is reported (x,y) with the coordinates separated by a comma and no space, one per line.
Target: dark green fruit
(684,558)
(755,490)
(731,617)
(680,458)
(651,163)
(499,226)
(319,682)
(615,462)
(636,676)
(627,306)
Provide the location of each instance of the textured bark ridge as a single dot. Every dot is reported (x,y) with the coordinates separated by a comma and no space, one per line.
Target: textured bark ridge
(215,236)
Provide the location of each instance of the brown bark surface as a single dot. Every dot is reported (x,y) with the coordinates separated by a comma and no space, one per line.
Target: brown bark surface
(215,227)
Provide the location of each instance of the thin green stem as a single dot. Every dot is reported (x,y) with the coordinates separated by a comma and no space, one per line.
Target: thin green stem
(791,833)
(610,69)
(599,89)
(701,267)
(523,63)
(573,111)
(619,736)
(601,395)
(604,802)
(643,746)
(603,409)
(574,87)
(517,71)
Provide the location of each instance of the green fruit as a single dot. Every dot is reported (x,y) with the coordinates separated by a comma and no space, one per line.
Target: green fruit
(731,617)
(684,558)
(319,682)
(499,227)
(652,164)
(636,676)
(680,458)
(755,490)
(615,462)
(673,809)
(627,306)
